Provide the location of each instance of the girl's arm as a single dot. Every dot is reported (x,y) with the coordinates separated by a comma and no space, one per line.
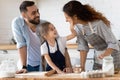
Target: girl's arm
(53,66)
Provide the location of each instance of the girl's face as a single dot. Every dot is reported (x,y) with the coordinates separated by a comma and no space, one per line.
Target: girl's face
(52,32)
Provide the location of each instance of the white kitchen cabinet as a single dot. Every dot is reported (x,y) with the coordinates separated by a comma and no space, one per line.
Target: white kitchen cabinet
(75,58)
(11,54)
(90,53)
(90,60)
(89,64)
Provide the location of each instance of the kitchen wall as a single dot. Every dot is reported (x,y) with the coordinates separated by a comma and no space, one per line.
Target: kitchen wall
(9,9)
(51,10)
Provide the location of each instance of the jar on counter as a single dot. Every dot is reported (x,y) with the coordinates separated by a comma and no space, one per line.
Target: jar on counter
(8,68)
(108,66)
(77,69)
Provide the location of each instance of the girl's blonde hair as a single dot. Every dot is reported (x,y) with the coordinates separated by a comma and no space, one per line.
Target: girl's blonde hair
(44,28)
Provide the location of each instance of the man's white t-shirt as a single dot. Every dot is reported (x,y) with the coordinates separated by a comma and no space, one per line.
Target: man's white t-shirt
(61,44)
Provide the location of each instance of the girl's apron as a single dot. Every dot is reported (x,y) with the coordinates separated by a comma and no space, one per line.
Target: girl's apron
(100,46)
(57,58)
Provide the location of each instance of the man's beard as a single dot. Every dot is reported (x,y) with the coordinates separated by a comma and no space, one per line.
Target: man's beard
(36,22)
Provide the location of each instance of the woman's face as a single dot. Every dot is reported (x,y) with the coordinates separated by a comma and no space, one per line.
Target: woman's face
(73,19)
(70,19)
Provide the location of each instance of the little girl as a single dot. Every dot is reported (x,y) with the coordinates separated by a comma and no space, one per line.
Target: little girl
(54,49)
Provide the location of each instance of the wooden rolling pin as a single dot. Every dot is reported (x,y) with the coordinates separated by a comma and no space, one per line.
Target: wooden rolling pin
(51,72)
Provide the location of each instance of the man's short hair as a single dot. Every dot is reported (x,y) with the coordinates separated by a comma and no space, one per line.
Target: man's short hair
(25,4)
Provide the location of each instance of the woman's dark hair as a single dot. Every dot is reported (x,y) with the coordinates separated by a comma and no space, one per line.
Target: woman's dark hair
(25,4)
(83,12)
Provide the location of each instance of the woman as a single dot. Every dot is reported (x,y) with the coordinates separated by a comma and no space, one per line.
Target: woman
(95,30)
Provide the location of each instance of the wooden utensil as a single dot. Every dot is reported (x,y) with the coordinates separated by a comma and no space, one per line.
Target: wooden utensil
(51,72)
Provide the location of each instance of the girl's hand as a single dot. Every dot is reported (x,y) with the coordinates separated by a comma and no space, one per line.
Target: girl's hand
(68,70)
(60,72)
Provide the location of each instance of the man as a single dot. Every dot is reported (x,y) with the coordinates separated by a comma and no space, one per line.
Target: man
(26,31)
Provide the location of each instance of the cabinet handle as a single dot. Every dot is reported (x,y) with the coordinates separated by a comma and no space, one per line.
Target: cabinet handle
(4,51)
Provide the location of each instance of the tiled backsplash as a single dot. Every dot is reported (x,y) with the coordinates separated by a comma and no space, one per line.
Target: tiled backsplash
(5,35)
(9,9)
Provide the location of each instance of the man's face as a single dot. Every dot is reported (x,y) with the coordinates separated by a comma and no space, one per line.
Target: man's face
(32,15)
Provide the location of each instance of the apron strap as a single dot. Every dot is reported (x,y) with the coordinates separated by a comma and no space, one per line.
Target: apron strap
(89,23)
(48,45)
(91,27)
(57,44)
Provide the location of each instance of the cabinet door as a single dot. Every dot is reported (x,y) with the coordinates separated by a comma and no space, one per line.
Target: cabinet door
(11,54)
(75,61)
(90,53)
(89,64)
(75,58)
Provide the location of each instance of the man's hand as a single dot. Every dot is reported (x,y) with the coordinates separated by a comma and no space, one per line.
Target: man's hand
(21,71)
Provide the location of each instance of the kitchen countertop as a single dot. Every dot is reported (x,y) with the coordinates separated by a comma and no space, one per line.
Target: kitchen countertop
(75,46)
(70,76)
(7,47)
(13,46)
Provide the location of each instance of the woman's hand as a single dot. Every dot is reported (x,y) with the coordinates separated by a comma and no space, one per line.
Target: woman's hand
(71,26)
(101,56)
(106,53)
(73,32)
